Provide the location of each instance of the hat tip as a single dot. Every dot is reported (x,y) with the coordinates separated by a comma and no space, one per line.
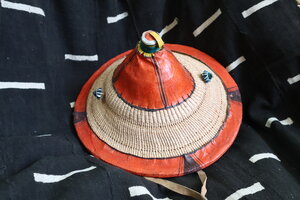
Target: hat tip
(148,39)
(150,43)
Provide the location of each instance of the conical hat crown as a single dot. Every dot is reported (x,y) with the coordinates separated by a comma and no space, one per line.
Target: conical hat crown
(159,110)
(152,78)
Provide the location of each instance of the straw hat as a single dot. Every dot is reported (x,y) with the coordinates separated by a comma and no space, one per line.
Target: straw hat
(160,110)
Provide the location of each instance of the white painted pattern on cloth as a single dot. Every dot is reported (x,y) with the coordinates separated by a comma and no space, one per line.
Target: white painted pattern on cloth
(169,27)
(261,156)
(205,24)
(44,135)
(287,121)
(22,85)
(235,63)
(117,18)
(257,187)
(81,57)
(22,7)
(256,7)
(72,104)
(294,79)
(49,178)
(141,190)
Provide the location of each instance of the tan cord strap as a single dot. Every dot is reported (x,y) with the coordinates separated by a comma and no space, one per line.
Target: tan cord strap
(203,179)
(181,189)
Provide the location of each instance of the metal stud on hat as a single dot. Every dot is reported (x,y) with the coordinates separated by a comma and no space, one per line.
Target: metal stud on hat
(206,76)
(98,93)
(169,110)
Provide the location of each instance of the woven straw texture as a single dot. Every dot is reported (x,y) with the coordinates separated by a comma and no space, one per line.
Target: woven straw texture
(165,133)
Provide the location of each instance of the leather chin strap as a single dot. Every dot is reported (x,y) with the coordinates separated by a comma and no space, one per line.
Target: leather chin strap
(181,189)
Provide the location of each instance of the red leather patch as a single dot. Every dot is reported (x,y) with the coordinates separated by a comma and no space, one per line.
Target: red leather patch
(154,83)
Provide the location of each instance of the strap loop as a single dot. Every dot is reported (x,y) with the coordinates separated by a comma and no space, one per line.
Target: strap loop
(183,190)
(157,38)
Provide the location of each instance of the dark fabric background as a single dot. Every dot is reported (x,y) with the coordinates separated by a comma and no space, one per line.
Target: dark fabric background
(32,49)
